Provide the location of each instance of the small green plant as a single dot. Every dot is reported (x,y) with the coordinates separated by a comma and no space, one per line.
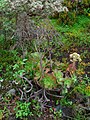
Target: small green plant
(4,112)
(87,11)
(83,89)
(67,18)
(22,67)
(79,114)
(83,86)
(59,76)
(57,114)
(65,102)
(75,8)
(87,90)
(23,109)
(86,79)
(36,108)
(1,114)
(48,82)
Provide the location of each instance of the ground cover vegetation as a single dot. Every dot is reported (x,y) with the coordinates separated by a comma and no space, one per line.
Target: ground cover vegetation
(45,60)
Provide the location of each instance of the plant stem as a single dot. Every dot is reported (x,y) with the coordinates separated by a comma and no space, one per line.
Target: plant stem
(50,60)
(41,67)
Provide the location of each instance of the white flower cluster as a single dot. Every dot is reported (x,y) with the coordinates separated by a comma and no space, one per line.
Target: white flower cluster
(75,57)
(57,6)
(16,3)
(38,5)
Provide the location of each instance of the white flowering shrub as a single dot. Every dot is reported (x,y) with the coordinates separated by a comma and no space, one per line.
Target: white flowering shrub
(38,6)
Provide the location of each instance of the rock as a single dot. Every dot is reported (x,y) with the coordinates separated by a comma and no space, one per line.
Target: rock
(11,92)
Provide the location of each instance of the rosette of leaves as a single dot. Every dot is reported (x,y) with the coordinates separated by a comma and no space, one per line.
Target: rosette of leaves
(68,81)
(59,77)
(48,82)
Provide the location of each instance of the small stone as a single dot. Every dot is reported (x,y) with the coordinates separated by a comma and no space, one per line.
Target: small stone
(1,80)
(11,92)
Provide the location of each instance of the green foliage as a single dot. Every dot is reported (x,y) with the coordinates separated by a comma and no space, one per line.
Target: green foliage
(12,66)
(3,4)
(67,18)
(76,35)
(57,115)
(77,5)
(48,82)
(23,109)
(79,114)
(4,112)
(83,89)
(7,59)
(36,108)
(7,22)
(83,86)
(65,82)
(1,114)
(69,83)
(75,8)
(59,77)
(66,102)
(87,90)
(87,11)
